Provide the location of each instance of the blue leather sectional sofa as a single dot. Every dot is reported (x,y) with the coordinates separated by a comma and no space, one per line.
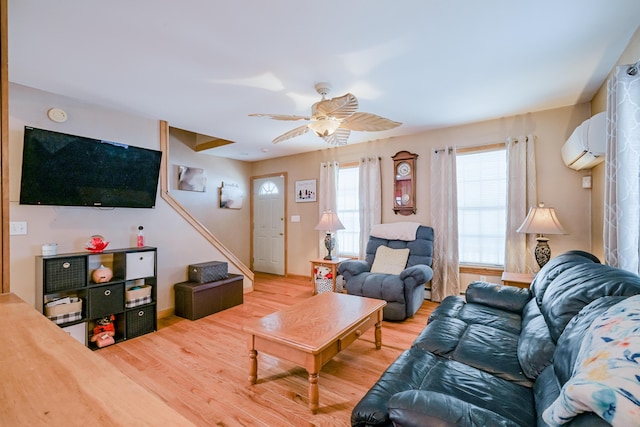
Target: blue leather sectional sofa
(500,356)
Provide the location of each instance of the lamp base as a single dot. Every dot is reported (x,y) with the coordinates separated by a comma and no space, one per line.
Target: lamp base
(542,251)
(329,243)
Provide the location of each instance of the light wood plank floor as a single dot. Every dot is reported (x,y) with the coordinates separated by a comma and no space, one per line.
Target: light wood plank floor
(200,368)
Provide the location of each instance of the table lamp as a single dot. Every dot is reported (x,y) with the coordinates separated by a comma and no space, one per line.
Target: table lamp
(329,223)
(541,221)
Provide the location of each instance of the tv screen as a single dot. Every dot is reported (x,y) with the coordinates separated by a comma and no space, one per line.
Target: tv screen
(67,170)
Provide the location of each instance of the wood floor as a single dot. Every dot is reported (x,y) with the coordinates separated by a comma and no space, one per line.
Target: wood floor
(200,368)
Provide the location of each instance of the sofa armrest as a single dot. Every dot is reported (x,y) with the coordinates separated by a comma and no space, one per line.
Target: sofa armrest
(353,267)
(510,298)
(421,273)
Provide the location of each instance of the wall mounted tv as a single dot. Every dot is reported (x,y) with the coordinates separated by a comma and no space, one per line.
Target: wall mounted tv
(67,170)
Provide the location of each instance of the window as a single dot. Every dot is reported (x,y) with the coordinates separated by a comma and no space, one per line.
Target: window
(348,210)
(482,206)
(268,187)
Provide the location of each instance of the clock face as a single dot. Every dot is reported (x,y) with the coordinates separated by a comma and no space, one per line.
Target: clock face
(404,169)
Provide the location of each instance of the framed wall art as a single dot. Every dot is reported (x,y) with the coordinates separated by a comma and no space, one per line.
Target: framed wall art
(231,196)
(192,179)
(306,191)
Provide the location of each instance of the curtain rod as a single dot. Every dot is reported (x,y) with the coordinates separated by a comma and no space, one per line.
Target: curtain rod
(483,147)
(633,69)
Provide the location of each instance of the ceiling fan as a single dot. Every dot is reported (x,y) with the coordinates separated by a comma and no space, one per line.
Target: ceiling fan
(333,119)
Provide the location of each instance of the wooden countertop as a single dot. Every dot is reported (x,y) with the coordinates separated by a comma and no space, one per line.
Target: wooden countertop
(48,378)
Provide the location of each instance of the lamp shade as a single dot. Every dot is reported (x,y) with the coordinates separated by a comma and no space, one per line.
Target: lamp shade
(329,222)
(541,220)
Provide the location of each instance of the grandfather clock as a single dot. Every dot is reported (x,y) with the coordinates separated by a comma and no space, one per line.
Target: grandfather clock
(404,186)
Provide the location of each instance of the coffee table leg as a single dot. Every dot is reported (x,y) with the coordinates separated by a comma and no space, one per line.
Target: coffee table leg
(314,396)
(253,361)
(378,331)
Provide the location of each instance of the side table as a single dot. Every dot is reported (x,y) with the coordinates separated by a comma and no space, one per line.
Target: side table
(521,280)
(332,264)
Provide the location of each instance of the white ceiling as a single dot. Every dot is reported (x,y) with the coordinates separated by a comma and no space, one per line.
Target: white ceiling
(204,65)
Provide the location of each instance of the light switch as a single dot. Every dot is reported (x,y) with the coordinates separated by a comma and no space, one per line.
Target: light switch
(17,228)
(295,218)
(586,181)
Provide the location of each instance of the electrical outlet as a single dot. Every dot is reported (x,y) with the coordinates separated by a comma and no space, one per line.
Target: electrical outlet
(17,228)
(483,278)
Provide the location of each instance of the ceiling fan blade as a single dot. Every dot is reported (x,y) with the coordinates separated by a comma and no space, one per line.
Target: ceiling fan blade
(368,122)
(300,130)
(340,107)
(339,137)
(281,117)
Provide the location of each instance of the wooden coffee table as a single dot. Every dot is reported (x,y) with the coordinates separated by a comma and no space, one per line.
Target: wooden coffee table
(311,332)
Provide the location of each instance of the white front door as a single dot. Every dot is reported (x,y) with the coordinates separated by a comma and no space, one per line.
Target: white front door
(268,225)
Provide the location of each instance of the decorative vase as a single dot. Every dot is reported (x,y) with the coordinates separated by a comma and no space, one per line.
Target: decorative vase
(102,274)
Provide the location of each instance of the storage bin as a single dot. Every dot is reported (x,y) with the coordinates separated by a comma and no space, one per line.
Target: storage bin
(324,285)
(78,331)
(140,265)
(65,313)
(106,300)
(136,297)
(195,300)
(208,271)
(64,273)
(140,321)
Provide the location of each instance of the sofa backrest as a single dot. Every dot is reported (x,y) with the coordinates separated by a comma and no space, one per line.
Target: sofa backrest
(420,249)
(554,267)
(579,285)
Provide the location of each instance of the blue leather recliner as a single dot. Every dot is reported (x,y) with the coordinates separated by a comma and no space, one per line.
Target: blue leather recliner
(403,292)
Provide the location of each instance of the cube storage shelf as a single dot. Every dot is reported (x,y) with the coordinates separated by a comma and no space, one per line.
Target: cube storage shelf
(70,275)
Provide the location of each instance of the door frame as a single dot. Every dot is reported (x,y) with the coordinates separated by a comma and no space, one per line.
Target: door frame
(286,222)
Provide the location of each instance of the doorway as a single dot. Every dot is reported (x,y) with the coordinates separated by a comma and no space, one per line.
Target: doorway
(268,224)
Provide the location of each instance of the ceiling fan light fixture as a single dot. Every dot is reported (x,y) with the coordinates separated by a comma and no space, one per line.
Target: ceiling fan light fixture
(324,126)
(333,119)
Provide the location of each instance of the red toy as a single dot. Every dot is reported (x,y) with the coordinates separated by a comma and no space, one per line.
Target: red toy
(104,331)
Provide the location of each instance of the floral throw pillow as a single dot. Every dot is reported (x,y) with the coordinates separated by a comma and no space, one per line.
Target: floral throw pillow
(606,376)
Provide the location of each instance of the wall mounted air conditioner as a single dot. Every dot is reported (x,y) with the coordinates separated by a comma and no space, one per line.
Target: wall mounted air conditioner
(587,144)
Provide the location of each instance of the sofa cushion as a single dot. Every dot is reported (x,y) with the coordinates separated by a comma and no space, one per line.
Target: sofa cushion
(491,350)
(456,307)
(535,346)
(453,393)
(605,377)
(390,261)
(441,337)
(508,298)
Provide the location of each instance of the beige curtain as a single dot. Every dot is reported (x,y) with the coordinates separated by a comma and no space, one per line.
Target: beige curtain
(327,199)
(444,219)
(622,170)
(370,198)
(521,195)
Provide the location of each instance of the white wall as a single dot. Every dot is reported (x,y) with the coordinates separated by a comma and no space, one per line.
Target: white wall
(178,243)
(558,186)
(230,226)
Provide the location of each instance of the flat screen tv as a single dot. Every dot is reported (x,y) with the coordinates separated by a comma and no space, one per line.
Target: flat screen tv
(67,170)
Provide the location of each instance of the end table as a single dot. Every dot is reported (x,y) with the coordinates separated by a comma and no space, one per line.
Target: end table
(521,280)
(329,263)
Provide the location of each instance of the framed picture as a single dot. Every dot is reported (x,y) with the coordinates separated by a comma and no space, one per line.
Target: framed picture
(230,196)
(192,179)
(306,191)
